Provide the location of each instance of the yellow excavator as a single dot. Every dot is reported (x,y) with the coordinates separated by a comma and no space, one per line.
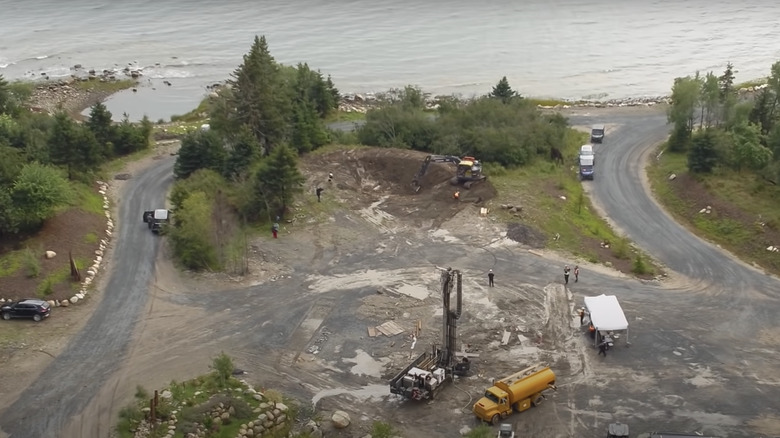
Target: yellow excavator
(468,170)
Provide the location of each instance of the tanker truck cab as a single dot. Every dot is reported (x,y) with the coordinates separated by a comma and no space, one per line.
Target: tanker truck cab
(493,405)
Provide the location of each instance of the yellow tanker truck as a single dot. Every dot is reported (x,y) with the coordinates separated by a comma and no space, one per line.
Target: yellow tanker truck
(519,391)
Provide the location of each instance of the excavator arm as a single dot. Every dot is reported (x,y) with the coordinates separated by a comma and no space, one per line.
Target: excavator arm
(427,162)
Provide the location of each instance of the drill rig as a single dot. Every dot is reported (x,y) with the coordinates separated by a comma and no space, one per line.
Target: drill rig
(426,375)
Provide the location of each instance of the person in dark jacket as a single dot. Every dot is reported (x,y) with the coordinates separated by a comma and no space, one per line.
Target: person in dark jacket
(566,274)
(490,278)
(603,347)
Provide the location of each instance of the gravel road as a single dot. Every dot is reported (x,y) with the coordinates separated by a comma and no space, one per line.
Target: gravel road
(66,386)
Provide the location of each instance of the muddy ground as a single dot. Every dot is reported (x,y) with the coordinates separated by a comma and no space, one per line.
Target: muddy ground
(299,322)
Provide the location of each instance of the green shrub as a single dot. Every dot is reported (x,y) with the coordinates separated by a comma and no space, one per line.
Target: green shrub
(32,263)
(46,288)
(382,430)
(481,431)
(141,393)
(620,249)
(640,266)
(223,369)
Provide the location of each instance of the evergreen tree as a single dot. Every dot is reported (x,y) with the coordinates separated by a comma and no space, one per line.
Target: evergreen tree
(726,82)
(199,150)
(503,91)
(243,152)
(259,96)
(703,155)
(72,145)
(277,179)
(102,128)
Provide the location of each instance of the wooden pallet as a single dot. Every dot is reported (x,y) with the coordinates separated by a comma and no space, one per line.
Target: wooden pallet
(390,328)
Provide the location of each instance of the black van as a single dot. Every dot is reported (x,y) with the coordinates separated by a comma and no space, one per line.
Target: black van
(597,134)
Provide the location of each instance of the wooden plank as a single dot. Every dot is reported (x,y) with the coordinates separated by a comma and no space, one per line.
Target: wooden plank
(395,328)
(505,339)
(390,328)
(372,332)
(384,329)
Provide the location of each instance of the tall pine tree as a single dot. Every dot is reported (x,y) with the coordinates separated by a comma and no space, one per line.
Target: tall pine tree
(259,97)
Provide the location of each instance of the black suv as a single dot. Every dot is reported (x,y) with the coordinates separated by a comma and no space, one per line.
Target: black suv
(35,309)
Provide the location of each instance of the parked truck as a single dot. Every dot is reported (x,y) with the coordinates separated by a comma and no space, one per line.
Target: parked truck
(586,167)
(517,392)
(157,219)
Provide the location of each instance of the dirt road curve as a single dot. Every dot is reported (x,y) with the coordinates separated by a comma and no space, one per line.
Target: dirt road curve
(67,384)
(621,193)
(702,351)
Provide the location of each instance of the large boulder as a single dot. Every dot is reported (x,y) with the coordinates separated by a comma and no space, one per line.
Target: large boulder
(340,419)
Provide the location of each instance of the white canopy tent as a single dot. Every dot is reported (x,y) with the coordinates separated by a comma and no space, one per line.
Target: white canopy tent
(606,315)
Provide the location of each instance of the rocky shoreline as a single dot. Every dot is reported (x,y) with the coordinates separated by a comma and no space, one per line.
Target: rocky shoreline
(51,95)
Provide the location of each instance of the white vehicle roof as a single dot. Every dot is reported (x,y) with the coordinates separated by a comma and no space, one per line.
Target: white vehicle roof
(161,214)
(586,160)
(586,149)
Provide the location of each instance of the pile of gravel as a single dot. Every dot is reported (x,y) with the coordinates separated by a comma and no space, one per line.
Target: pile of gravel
(526,235)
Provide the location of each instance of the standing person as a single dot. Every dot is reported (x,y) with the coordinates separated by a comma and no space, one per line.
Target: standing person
(330,177)
(456,195)
(582,315)
(603,348)
(577,273)
(490,278)
(275,229)
(319,193)
(566,274)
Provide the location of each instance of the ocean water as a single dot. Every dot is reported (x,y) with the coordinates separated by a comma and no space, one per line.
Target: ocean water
(570,49)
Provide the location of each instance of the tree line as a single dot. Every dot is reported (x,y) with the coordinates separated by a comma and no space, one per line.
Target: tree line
(720,129)
(501,127)
(42,156)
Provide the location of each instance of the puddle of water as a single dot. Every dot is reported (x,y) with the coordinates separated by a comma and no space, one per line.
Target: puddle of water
(365,364)
(369,392)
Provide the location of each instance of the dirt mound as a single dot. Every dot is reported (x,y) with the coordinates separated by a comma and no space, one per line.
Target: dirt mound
(526,235)
(370,175)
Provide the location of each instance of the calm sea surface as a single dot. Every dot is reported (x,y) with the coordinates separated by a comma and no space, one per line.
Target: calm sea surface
(546,48)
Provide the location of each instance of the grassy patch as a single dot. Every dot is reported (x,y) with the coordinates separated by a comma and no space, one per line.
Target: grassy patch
(345,116)
(91,238)
(745,218)
(199,114)
(87,199)
(105,86)
(10,262)
(178,129)
(117,164)
(58,277)
(554,201)
(751,83)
